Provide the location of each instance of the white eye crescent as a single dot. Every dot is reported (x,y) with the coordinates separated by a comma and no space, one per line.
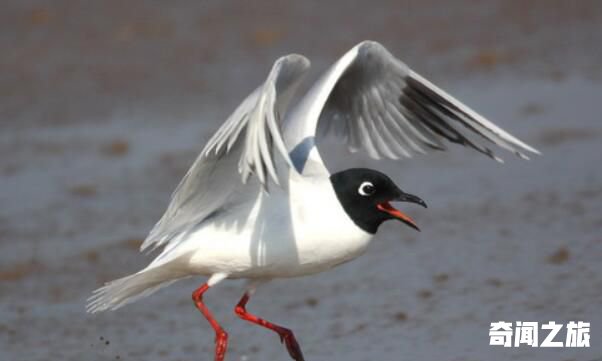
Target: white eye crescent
(366,189)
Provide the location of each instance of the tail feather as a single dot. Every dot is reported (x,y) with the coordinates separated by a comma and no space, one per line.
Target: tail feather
(120,292)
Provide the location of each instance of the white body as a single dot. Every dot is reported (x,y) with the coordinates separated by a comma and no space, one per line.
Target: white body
(292,231)
(260,239)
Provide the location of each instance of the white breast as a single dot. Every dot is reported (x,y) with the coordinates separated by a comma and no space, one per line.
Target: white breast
(282,234)
(325,234)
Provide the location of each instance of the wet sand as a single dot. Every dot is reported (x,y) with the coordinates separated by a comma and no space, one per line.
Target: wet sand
(104,107)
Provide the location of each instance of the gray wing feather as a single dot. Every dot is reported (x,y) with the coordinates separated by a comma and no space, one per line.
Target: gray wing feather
(242,146)
(382,106)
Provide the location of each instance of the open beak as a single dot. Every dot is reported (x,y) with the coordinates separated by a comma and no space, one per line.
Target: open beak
(396,213)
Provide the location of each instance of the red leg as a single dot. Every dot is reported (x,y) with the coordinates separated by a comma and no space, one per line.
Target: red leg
(221,337)
(286,335)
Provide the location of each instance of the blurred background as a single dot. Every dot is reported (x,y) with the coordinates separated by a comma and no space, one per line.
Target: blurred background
(104,105)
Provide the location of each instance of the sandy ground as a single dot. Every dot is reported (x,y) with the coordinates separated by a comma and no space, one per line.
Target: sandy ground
(104,106)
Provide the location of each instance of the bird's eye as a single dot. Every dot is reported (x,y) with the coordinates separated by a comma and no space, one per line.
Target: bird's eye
(366,189)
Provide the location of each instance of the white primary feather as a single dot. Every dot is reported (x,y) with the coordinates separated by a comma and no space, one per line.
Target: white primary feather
(212,181)
(378,104)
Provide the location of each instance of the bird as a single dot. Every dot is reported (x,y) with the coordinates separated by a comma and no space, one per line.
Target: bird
(259,202)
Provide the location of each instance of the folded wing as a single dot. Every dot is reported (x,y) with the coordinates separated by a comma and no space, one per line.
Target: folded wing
(380,105)
(244,145)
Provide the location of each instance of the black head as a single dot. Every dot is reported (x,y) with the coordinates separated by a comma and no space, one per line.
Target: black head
(365,194)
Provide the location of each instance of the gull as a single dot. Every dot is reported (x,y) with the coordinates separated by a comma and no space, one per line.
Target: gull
(259,203)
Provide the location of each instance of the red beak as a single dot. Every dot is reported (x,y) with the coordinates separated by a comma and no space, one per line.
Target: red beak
(396,213)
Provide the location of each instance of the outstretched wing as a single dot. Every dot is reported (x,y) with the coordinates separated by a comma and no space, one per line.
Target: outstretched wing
(380,105)
(242,146)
